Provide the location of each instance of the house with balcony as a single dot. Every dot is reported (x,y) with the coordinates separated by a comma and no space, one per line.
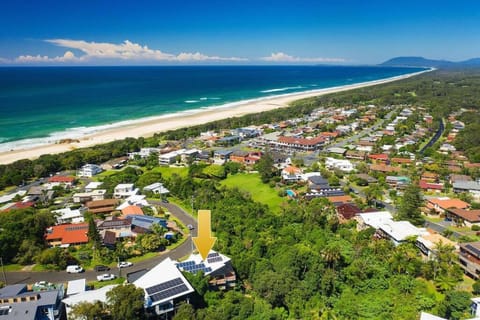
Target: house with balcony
(469,258)
(125,190)
(89,170)
(18,303)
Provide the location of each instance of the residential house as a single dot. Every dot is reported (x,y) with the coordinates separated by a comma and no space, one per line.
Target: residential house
(143,224)
(17,303)
(301,144)
(67,234)
(121,227)
(472,187)
(89,296)
(143,153)
(291,173)
(156,188)
(373,219)
(217,267)
(221,156)
(454,178)
(343,165)
(138,200)
(93,195)
(469,258)
(228,141)
(398,231)
(378,157)
(356,154)
(363,176)
(384,168)
(429,186)
(89,170)
(442,204)
(165,287)
(463,216)
(475,308)
(337,150)
(93,185)
(64,181)
(428,242)
(431,177)
(67,215)
(131,209)
(102,206)
(124,190)
(402,161)
(337,200)
(397,181)
(446,147)
(347,211)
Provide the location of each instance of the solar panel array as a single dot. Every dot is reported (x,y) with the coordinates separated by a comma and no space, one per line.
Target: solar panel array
(4,311)
(197,267)
(473,249)
(185,264)
(216,259)
(213,254)
(169,293)
(164,286)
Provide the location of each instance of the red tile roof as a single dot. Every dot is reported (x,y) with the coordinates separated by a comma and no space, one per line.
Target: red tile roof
(449,203)
(401,160)
(340,199)
(61,179)
(378,156)
(427,185)
(384,168)
(132,210)
(468,215)
(68,233)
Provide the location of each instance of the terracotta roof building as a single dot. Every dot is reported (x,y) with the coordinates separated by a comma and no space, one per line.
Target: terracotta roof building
(102,206)
(67,234)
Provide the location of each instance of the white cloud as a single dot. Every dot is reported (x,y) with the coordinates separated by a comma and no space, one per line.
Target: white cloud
(3,60)
(67,57)
(128,50)
(283,57)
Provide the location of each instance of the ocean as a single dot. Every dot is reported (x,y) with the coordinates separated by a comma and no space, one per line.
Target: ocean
(40,105)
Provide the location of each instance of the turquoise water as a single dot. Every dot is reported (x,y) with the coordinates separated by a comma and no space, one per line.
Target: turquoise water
(41,105)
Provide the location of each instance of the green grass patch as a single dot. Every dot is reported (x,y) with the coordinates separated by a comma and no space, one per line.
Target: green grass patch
(100,284)
(12,267)
(167,172)
(260,192)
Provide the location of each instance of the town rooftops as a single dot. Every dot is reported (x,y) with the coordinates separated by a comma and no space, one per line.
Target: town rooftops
(302,141)
(400,230)
(467,185)
(428,185)
(384,168)
(378,156)
(132,210)
(376,219)
(340,199)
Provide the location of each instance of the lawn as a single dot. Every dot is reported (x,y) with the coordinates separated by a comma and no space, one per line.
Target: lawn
(260,192)
(168,171)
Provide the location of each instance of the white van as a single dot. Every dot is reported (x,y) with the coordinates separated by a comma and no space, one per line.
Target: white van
(74,269)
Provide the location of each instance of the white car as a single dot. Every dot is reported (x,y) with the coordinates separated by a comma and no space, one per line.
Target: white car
(124,264)
(74,269)
(106,277)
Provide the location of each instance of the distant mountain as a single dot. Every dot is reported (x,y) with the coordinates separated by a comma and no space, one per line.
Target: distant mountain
(423,62)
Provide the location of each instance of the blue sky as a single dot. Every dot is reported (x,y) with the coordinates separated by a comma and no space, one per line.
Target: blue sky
(97,32)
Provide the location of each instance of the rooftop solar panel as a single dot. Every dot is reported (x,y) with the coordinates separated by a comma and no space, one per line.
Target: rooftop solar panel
(473,249)
(164,286)
(215,259)
(3,311)
(169,293)
(213,254)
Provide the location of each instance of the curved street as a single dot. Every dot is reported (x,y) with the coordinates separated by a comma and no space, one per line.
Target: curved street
(61,276)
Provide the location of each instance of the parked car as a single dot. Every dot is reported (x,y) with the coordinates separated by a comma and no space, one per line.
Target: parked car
(124,264)
(190,227)
(106,277)
(74,269)
(100,267)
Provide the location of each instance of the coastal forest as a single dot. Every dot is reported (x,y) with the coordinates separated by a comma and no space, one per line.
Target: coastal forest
(298,262)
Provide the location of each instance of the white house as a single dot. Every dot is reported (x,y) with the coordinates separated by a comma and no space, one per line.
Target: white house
(373,219)
(67,215)
(82,197)
(344,165)
(399,231)
(89,170)
(134,200)
(143,153)
(164,286)
(473,187)
(124,190)
(92,186)
(156,188)
(87,296)
(291,173)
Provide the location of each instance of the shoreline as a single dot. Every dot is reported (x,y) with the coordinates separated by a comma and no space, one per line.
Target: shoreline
(146,127)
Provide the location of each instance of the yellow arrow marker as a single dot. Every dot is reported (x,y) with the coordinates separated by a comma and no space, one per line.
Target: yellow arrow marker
(204,242)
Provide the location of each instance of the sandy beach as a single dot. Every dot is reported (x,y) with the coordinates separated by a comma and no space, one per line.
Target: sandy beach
(153,125)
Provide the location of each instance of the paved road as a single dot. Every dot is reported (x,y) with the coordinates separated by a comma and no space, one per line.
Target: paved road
(438,227)
(61,276)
